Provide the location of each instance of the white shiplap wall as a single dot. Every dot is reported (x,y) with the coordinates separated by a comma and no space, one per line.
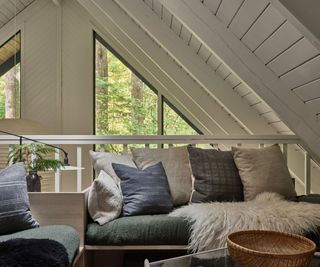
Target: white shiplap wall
(39,67)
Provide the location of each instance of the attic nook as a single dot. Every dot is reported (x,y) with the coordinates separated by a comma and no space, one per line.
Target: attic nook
(114,75)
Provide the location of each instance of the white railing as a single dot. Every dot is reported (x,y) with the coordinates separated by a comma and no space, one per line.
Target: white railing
(223,142)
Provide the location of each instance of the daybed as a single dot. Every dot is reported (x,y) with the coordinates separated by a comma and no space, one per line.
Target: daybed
(128,240)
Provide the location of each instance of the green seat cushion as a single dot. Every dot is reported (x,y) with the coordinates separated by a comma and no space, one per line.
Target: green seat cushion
(139,230)
(65,235)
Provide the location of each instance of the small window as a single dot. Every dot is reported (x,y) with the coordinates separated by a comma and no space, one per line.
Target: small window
(10,78)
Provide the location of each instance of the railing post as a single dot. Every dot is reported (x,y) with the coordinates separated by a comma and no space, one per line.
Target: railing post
(125,148)
(285,152)
(307,173)
(79,168)
(57,174)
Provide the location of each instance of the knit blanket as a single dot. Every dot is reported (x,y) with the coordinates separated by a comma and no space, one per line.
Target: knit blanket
(211,223)
(33,253)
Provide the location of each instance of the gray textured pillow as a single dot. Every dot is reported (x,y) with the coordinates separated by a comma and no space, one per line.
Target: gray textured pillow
(263,170)
(15,212)
(216,176)
(105,199)
(103,161)
(176,164)
(144,191)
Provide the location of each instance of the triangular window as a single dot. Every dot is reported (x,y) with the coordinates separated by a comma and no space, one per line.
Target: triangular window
(126,104)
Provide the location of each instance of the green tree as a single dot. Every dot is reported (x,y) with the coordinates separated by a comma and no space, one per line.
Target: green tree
(127,106)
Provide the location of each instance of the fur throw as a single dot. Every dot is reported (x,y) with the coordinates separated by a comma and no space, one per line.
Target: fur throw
(211,223)
(33,253)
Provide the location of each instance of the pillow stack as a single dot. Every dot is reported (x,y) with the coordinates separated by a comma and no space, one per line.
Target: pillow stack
(154,181)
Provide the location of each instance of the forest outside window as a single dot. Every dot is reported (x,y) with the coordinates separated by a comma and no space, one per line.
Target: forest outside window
(10,78)
(126,104)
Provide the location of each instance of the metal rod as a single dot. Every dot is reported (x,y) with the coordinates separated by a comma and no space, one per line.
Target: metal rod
(65,161)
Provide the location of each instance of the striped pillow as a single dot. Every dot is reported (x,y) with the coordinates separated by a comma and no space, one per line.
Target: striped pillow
(15,212)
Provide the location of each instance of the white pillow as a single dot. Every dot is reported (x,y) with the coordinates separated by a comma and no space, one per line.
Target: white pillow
(105,199)
(104,160)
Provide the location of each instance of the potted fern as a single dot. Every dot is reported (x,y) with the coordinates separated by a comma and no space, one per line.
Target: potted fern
(34,156)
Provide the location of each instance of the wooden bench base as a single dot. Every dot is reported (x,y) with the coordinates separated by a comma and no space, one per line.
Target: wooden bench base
(117,256)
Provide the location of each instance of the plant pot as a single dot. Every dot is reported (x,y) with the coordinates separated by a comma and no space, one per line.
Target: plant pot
(33,182)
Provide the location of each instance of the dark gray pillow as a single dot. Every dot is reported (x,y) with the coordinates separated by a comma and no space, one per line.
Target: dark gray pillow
(216,176)
(14,202)
(144,191)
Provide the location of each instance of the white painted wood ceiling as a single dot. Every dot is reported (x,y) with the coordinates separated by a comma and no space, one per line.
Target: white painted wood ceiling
(10,8)
(272,38)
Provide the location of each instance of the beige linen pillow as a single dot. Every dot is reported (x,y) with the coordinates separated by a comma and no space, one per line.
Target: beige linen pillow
(263,170)
(105,199)
(176,165)
(103,161)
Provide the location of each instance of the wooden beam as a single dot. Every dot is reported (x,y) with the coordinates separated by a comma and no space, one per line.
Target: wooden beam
(108,14)
(227,47)
(212,83)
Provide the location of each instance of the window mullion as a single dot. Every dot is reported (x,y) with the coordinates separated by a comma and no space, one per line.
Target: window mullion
(160,114)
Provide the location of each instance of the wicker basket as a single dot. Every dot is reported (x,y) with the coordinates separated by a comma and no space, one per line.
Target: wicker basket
(255,248)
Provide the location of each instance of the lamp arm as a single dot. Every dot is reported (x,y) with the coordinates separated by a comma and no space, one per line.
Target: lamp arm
(66,160)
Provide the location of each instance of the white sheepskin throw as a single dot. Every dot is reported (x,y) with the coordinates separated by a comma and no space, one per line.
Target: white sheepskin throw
(211,223)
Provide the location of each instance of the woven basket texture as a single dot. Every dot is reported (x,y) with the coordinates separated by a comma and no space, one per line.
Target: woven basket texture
(257,248)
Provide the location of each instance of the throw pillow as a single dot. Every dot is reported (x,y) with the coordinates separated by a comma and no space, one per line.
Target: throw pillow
(15,212)
(104,200)
(103,161)
(263,170)
(144,191)
(177,167)
(216,176)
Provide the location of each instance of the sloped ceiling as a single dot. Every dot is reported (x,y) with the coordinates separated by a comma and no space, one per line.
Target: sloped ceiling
(245,55)
(10,8)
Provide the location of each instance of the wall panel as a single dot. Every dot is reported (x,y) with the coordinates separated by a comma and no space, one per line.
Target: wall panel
(39,64)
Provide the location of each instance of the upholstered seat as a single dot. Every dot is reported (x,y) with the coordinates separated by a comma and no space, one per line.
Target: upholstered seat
(139,230)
